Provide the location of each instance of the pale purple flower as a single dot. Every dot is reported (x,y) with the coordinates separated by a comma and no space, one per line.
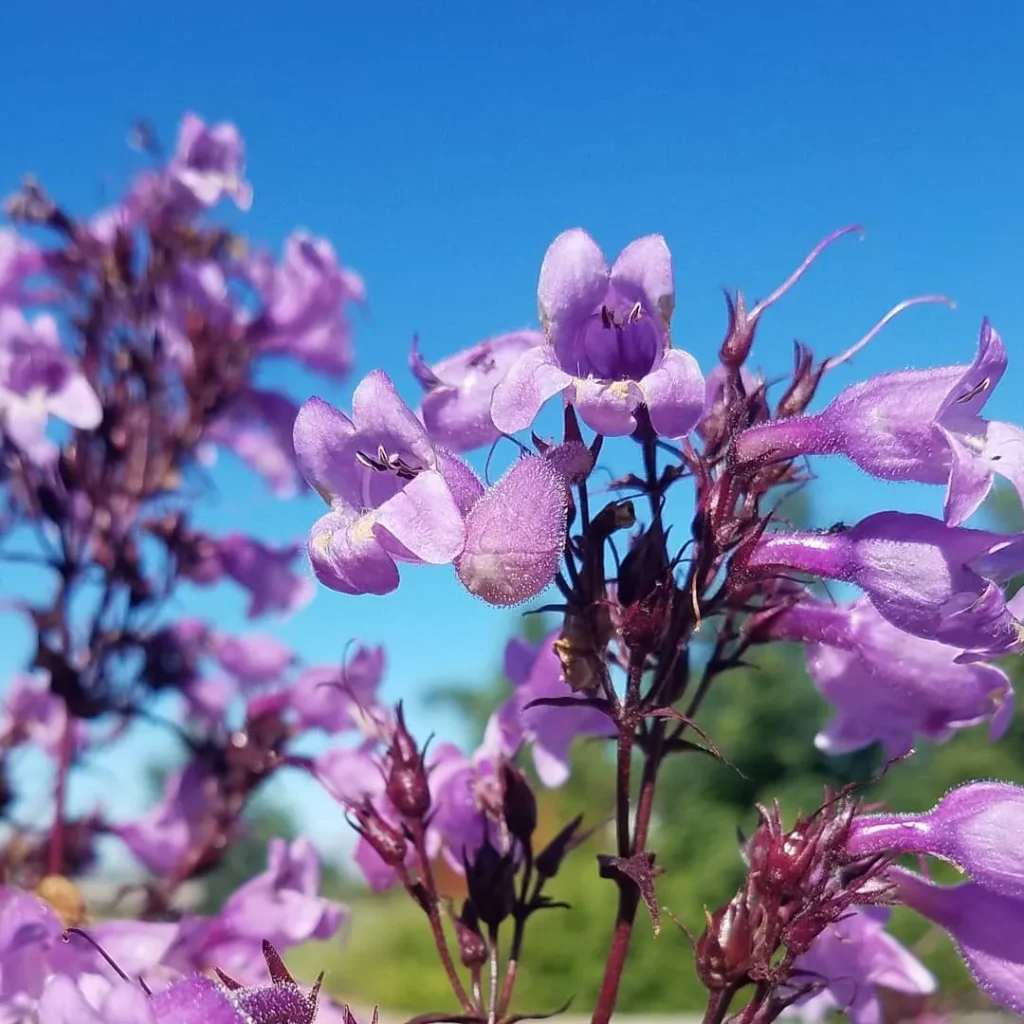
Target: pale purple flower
(988,929)
(886,685)
(920,425)
(209,164)
(196,296)
(515,534)
(536,673)
(255,659)
(852,959)
(393,496)
(162,837)
(306,298)
(31,712)
(38,379)
(608,343)
(63,1002)
(922,576)
(19,259)
(268,573)
(257,426)
(336,698)
(29,932)
(457,406)
(977,827)
(281,905)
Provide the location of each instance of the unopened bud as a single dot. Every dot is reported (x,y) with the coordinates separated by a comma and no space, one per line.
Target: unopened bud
(490,878)
(407,786)
(386,840)
(472,947)
(519,805)
(739,335)
(806,378)
(723,952)
(549,860)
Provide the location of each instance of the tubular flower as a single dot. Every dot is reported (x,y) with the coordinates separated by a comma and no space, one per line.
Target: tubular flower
(456,408)
(886,685)
(607,342)
(921,576)
(393,496)
(920,425)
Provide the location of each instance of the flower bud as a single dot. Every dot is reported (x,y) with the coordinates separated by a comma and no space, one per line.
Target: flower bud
(491,882)
(806,378)
(739,335)
(407,786)
(472,946)
(549,860)
(519,805)
(723,955)
(386,840)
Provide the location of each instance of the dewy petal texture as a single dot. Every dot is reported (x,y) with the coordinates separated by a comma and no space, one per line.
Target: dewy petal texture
(394,496)
(515,534)
(977,827)
(608,346)
(923,577)
(886,685)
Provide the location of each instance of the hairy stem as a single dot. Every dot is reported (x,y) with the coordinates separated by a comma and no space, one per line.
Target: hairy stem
(434,916)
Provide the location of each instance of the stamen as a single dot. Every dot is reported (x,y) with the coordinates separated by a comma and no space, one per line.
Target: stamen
(975,391)
(802,269)
(634,313)
(894,312)
(607,319)
(79,933)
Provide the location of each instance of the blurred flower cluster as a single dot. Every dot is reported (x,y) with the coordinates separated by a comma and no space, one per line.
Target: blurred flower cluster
(130,349)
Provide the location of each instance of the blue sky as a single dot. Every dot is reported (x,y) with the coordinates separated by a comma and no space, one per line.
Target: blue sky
(441,147)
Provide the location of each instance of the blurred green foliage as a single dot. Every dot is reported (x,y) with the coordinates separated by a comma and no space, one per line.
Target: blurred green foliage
(764,719)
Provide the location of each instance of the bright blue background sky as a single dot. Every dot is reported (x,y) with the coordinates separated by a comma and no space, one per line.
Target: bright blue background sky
(442,146)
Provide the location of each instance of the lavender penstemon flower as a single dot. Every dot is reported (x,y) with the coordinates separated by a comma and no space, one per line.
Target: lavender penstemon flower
(144,331)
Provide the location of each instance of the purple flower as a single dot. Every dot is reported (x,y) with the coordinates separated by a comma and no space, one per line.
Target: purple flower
(19,259)
(209,164)
(38,379)
(393,496)
(988,930)
(63,1002)
(922,576)
(854,958)
(608,344)
(268,574)
(335,699)
(305,305)
(171,828)
(536,672)
(195,298)
(281,906)
(921,425)
(257,427)
(515,534)
(457,406)
(32,712)
(29,931)
(977,827)
(887,685)
(253,660)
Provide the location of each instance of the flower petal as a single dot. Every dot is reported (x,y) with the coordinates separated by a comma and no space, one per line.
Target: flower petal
(970,480)
(531,380)
(347,556)
(379,411)
(461,480)
(607,406)
(321,436)
(573,280)
(646,265)
(515,535)
(675,394)
(425,520)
